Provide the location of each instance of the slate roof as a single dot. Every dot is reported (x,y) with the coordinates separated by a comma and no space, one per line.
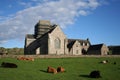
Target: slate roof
(80,40)
(84,41)
(70,43)
(96,47)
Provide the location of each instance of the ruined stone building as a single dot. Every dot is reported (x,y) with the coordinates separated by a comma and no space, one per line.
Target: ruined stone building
(98,49)
(114,50)
(50,39)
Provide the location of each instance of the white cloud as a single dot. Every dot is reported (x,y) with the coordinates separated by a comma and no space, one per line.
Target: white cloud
(26,4)
(62,12)
(82,12)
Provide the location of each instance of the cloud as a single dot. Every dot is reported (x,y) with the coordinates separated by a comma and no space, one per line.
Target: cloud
(25,4)
(62,12)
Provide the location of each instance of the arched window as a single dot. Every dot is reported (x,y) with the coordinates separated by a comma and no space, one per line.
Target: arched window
(57,43)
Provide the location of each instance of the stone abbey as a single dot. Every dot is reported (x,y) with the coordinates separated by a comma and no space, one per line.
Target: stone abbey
(49,39)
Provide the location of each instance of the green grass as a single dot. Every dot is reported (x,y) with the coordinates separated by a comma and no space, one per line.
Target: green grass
(76,69)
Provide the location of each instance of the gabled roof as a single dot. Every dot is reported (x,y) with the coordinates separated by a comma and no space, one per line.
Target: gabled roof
(96,47)
(114,46)
(53,27)
(80,41)
(70,43)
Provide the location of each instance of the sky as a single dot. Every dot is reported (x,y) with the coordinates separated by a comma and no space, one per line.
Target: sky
(98,20)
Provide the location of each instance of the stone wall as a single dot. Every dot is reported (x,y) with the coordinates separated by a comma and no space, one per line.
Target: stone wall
(56,56)
(57,33)
(76,49)
(104,50)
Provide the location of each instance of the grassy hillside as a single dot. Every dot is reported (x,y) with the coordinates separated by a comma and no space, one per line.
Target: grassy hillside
(76,69)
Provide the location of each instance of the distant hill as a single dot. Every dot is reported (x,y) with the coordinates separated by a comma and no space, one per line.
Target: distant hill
(15,51)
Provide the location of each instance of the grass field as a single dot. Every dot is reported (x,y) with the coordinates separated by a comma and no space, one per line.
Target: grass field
(76,69)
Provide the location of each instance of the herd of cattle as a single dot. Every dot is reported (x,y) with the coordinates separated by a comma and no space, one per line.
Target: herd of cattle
(25,58)
(53,70)
(93,74)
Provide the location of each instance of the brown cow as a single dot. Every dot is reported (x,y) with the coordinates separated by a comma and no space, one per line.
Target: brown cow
(51,70)
(24,58)
(30,59)
(60,69)
(21,58)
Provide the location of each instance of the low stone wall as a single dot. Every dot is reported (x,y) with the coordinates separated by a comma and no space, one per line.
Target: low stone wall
(55,56)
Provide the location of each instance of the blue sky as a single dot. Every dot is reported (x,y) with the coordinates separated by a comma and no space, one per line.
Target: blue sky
(98,20)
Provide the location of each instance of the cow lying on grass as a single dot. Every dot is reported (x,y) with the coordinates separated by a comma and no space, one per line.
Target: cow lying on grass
(25,58)
(60,69)
(51,70)
(104,61)
(8,65)
(95,74)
